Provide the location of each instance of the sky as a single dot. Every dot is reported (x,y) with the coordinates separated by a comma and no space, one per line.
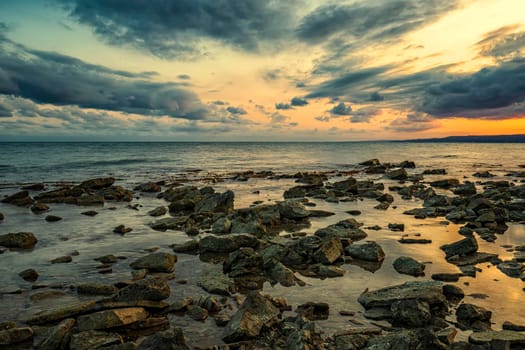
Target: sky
(260,70)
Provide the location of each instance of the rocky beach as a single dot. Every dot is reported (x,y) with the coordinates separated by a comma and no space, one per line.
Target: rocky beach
(373,255)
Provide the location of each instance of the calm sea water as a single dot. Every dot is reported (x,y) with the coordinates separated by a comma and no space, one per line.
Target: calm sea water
(26,162)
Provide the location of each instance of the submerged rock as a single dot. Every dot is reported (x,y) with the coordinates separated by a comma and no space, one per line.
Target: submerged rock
(149,187)
(155,262)
(29,275)
(214,281)
(158,211)
(154,289)
(409,266)
(20,199)
(96,289)
(38,208)
(397,174)
(22,240)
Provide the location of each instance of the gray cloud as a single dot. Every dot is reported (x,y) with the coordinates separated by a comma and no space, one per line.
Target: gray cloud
(236,110)
(413,123)
(176,28)
(278,118)
(503,43)
(183,76)
(283,106)
(341,109)
(48,77)
(298,102)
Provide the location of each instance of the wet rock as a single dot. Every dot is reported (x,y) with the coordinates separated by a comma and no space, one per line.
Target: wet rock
(354,212)
(58,336)
(252,227)
(171,339)
(326,271)
(405,240)
(15,335)
(24,240)
(463,247)
(511,268)
(466,189)
(483,174)
(447,335)
(122,229)
(210,303)
(470,316)
(34,187)
(20,199)
(96,289)
(255,313)
(46,295)
(89,213)
(509,326)
(314,311)
(346,186)
(221,226)
(293,210)
(155,262)
(154,289)
(191,246)
(53,218)
(445,183)
(62,260)
(278,273)
(505,337)
(446,277)
(29,275)
(396,227)
(38,208)
(434,172)
(296,192)
(158,211)
(227,243)
(197,313)
(397,174)
(107,259)
(213,280)
(409,266)
(371,162)
(60,313)
(216,203)
(471,259)
(411,312)
(369,251)
(421,338)
(94,340)
(150,187)
(345,229)
(329,251)
(97,184)
(1,217)
(244,261)
(111,318)
(429,291)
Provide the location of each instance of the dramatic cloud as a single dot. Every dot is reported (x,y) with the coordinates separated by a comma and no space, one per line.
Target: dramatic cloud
(236,110)
(176,28)
(371,18)
(283,106)
(48,77)
(413,123)
(503,43)
(341,109)
(298,102)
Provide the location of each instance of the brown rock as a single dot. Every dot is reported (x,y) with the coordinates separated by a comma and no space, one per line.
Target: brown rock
(18,240)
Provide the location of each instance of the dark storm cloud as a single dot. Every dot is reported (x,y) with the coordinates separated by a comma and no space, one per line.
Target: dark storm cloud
(283,106)
(175,28)
(236,110)
(341,109)
(51,78)
(298,102)
(371,18)
(478,95)
(502,43)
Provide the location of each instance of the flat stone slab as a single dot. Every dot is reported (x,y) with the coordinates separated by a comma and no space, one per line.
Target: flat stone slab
(47,316)
(512,337)
(111,318)
(472,259)
(429,291)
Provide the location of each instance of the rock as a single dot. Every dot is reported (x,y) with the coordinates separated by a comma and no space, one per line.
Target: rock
(293,210)
(216,203)
(154,289)
(89,213)
(150,187)
(88,200)
(171,339)
(57,338)
(155,262)
(397,174)
(38,208)
(278,273)
(346,186)
(409,266)
(472,259)
(13,336)
(62,259)
(255,313)
(473,317)
(345,229)
(467,189)
(210,303)
(369,251)
(371,162)
(509,326)
(158,211)
(122,229)
(483,174)
(190,246)
(111,318)
(445,183)
(411,312)
(429,291)
(96,289)
(227,243)
(107,259)
(97,184)
(314,311)
(244,261)
(29,275)
(421,338)
(53,218)
(221,226)
(94,340)
(447,335)
(446,277)
(197,313)
(463,247)
(434,172)
(24,240)
(453,293)
(396,227)
(327,271)
(60,313)
(34,187)
(405,240)
(296,192)
(45,295)
(1,217)
(330,250)
(213,280)
(252,227)
(487,337)
(20,199)
(511,268)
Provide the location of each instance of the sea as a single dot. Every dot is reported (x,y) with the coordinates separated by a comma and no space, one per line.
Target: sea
(218,165)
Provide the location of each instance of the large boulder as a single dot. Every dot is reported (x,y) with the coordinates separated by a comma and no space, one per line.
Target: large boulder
(58,336)
(244,261)
(154,289)
(171,339)
(397,174)
(216,203)
(22,240)
(463,247)
(330,250)
(111,318)
(155,262)
(227,243)
(411,312)
(470,316)
(15,335)
(256,312)
(214,281)
(345,229)
(369,251)
(293,210)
